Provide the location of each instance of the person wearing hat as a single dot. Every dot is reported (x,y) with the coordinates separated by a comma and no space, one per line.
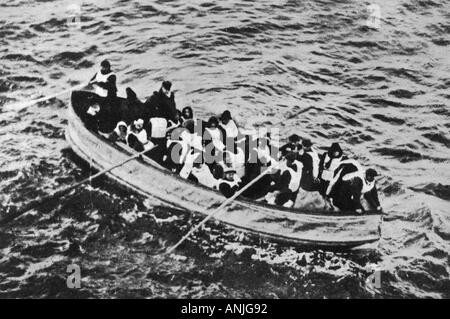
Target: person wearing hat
(104,81)
(286,189)
(310,160)
(329,162)
(230,181)
(293,145)
(162,102)
(354,186)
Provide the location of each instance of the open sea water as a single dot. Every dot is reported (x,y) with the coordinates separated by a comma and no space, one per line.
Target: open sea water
(372,75)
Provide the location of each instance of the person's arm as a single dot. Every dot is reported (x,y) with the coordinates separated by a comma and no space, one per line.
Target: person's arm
(372,199)
(134,143)
(109,84)
(315,166)
(283,182)
(355,194)
(322,163)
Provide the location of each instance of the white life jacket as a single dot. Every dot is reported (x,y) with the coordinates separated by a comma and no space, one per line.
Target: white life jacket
(352,162)
(332,163)
(296,176)
(367,186)
(204,176)
(231,129)
(337,175)
(102,78)
(159,127)
(119,133)
(264,155)
(188,164)
(315,162)
(216,138)
(141,136)
(238,162)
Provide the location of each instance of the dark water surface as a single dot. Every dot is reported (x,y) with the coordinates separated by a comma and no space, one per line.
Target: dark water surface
(310,67)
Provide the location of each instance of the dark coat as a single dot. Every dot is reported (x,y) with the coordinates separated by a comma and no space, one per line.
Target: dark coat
(160,105)
(308,183)
(348,196)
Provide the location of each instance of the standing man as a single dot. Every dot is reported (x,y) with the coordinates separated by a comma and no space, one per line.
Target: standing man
(163,101)
(104,81)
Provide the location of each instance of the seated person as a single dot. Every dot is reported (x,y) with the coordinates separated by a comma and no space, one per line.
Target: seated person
(229,126)
(345,167)
(351,187)
(285,191)
(104,81)
(259,159)
(293,145)
(137,136)
(229,183)
(192,148)
(120,133)
(163,100)
(202,175)
(92,117)
(329,162)
(213,134)
(177,122)
(187,114)
(310,160)
(236,160)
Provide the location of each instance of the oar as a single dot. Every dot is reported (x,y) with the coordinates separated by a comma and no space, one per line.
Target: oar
(24,104)
(36,203)
(217,210)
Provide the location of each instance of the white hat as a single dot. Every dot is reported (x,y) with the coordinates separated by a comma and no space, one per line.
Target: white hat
(139,122)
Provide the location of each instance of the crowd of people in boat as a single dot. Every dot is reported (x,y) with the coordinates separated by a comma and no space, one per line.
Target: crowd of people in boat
(218,154)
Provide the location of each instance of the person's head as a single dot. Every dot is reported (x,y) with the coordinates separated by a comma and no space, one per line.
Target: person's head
(226,117)
(229,175)
(294,139)
(105,67)
(290,158)
(188,113)
(213,122)
(307,144)
(122,128)
(166,87)
(371,174)
(335,150)
(139,124)
(178,116)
